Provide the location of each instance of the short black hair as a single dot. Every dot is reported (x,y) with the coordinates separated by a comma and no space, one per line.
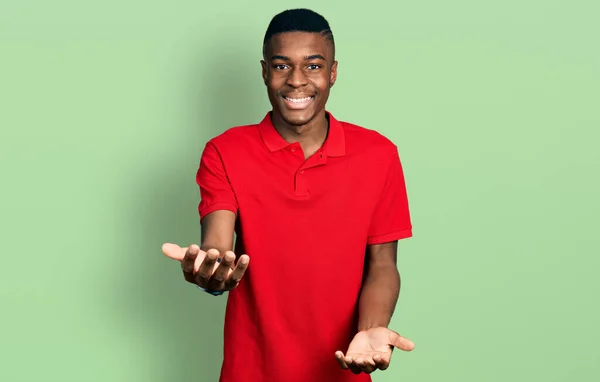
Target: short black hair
(298,20)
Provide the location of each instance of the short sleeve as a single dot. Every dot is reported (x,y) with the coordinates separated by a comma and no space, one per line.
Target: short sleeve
(216,192)
(391,218)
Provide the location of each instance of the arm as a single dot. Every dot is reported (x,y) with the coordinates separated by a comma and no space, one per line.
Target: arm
(216,231)
(371,347)
(218,209)
(212,265)
(390,223)
(218,206)
(381,287)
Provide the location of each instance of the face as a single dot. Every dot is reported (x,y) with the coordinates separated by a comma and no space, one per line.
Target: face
(299,70)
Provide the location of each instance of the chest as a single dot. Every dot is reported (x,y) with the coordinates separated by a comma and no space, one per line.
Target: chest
(328,188)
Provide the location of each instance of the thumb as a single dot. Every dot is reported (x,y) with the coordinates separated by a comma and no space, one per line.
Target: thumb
(174,251)
(400,342)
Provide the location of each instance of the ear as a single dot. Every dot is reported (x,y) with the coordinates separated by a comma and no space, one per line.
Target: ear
(333,74)
(264,70)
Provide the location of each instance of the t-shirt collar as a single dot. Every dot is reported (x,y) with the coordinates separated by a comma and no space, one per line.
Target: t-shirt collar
(334,146)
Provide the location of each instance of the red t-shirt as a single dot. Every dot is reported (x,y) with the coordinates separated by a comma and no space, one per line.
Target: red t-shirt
(305,225)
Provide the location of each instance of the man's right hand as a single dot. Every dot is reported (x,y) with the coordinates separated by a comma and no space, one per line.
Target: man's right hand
(203,269)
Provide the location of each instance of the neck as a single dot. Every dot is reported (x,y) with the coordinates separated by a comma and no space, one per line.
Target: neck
(311,135)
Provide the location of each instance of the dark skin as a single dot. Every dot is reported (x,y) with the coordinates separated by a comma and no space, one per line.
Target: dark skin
(299,69)
(371,348)
(199,263)
(300,65)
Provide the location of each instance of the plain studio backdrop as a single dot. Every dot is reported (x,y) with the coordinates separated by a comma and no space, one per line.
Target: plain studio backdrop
(106,107)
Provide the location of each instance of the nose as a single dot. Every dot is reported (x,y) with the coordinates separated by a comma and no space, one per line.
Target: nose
(297,78)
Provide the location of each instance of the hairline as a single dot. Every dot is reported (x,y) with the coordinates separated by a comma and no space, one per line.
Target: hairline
(327,34)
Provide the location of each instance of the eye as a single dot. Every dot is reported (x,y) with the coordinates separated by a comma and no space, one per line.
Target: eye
(314,66)
(280,66)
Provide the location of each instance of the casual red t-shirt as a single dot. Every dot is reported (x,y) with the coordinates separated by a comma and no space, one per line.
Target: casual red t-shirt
(305,225)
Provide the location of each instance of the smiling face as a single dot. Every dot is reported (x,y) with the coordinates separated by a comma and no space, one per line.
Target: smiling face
(299,69)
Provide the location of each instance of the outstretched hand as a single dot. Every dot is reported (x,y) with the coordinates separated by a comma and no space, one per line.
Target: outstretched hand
(371,350)
(208,270)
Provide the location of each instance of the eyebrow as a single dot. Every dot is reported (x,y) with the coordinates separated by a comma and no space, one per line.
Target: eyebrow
(306,58)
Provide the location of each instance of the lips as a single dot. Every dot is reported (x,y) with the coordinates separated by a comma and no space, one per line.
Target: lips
(298,102)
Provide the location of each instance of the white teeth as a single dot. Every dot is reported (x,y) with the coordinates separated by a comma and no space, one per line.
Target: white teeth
(298,100)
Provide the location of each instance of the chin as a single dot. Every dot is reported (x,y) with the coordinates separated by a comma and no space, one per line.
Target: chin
(296,117)
(299,117)
(296,120)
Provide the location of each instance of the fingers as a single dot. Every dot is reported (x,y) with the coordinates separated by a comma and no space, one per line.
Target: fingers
(365,364)
(217,280)
(352,365)
(361,364)
(206,268)
(187,263)
(174,251)
(400,342)
(381,363)
(339,356)
(237,274)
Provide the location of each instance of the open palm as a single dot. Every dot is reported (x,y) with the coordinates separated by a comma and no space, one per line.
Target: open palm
(208,270)
(372,349)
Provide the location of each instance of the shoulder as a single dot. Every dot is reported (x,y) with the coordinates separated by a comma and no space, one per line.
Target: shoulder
(361,139)
(234,135)
(233,139)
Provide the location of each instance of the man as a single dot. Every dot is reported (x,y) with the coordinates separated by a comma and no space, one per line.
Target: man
(319,206)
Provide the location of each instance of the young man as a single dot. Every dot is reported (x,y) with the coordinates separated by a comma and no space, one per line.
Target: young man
(319,206)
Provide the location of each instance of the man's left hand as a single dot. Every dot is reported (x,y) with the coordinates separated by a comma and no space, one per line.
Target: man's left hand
(371,350)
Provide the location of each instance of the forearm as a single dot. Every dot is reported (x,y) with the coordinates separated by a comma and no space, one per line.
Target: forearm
(217,231)
(378,297)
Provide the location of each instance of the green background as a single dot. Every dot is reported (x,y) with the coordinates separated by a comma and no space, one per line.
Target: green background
(106,106)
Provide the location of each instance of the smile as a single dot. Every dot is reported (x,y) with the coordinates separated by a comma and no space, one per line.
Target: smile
(298,103)
(298,100)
